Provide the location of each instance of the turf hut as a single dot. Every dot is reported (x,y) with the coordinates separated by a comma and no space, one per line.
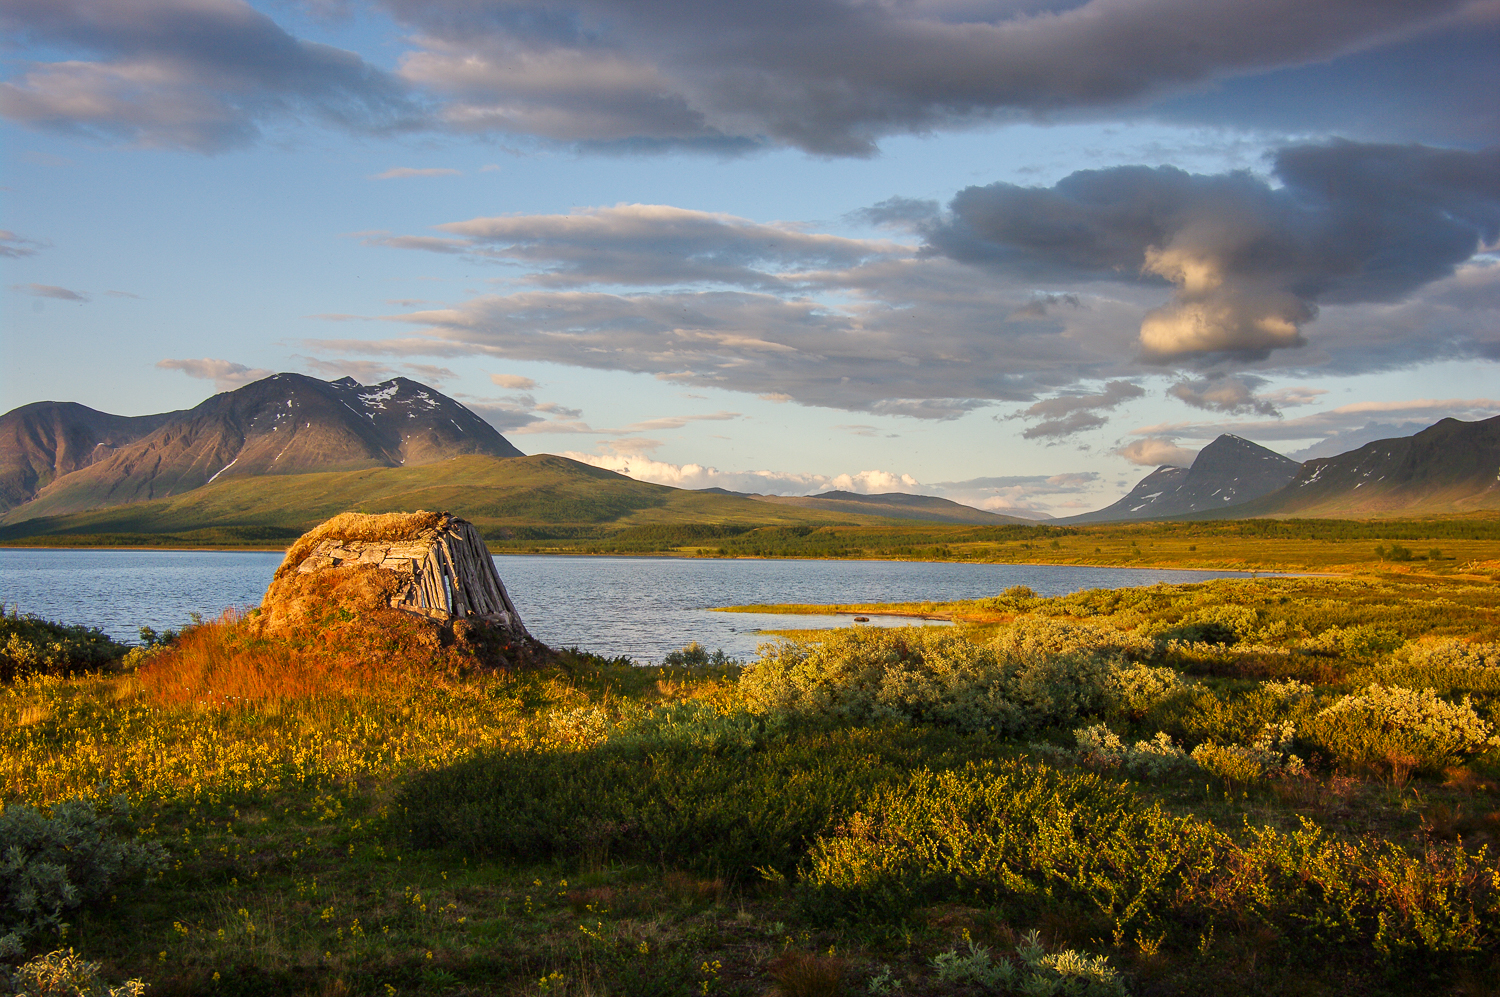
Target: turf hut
(430,564)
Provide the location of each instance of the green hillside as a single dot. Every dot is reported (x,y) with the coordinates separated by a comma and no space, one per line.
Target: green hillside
(541,494)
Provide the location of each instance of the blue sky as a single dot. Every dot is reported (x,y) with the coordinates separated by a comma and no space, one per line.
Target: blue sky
(1014,253)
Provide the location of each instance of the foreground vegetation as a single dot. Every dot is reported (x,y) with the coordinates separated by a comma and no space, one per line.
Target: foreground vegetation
(1281,786)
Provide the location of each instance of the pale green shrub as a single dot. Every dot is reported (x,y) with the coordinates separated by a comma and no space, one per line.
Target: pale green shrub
(1035,973)
(926,674)
(1140,687)
(1359,641)
(1268,756)
(1039,636)
(1158,758)
(49,866)
(1448,653)
(1383,722)
(695,655)
(67,974)
(699,726)
(1288,692)
(581,727)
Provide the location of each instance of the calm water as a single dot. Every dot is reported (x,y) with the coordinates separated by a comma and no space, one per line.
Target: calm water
(643,607)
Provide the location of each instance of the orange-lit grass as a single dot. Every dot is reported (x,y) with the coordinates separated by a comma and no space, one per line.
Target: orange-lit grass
(330,632)
(233,661)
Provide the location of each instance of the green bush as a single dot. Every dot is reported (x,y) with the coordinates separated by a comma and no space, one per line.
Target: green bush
(1030,841)
(1446,666)
(66,974)
(722,799)
(1035,972)
(695,655)
(919,674)
(1268,756)
(51,865)
(30,645)
(1384,724)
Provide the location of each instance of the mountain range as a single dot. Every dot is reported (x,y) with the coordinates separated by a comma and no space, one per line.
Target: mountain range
(288,450)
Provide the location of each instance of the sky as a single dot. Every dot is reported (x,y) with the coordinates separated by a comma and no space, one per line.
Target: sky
(1015,253)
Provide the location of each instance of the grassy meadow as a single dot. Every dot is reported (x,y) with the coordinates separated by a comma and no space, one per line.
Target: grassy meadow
(1268,786)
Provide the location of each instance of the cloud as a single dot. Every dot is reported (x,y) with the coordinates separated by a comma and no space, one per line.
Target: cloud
(204,75)
(402,172)
(1066,414)
(1153,451)
(514,382)
(123,294)
(826,76)
(833,78)
(1332,421)
(648,244)
(226,374)
(50,291)
(14,246)
(1030,496)
(1225,394)
(1249,263)
(1016,294)
(1352,439)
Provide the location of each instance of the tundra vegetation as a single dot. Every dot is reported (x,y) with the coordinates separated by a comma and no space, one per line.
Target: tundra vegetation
(1269,786)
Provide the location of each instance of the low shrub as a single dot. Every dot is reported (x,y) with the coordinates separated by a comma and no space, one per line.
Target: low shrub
(1384,722)
(1030,841)
(50,865)
(1447,666)
(64,973)
(30,645)
(722,800)
(1100,747)
(1268,756)
(1034,971)
(918,674)
(695,655)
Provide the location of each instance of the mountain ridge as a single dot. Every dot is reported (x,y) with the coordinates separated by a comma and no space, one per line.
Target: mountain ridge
(283,424)
(1227,473)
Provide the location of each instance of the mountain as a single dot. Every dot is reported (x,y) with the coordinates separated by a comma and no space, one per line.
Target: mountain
(1227,473)
(542,490)
(895,505)
(1449,467)
(283,424)
(46,440)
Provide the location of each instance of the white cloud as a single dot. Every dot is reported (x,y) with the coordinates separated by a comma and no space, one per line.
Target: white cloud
(1153,451)
(403,172)
(226,374)
(514,382)
(50,291)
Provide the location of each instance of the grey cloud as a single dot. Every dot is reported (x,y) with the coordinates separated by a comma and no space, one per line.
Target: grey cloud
(833,77)
(196,74)
(715,76)
(14,246)
(1250,264)
(1352,439)
(1067,414)
(1224,394)
(647,244)
(1328,423)
(50,291)
(1076,422)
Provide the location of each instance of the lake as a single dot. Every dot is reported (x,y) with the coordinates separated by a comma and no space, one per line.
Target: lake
(637,606)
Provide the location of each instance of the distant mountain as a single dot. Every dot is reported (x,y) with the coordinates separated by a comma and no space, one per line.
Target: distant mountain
(895,505)
(539,491)
(283,424)
(1227,473)
(46,440)
(1449,467)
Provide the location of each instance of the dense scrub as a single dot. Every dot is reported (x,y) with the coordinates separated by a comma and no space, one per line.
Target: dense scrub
(30,645)
(1285,785)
